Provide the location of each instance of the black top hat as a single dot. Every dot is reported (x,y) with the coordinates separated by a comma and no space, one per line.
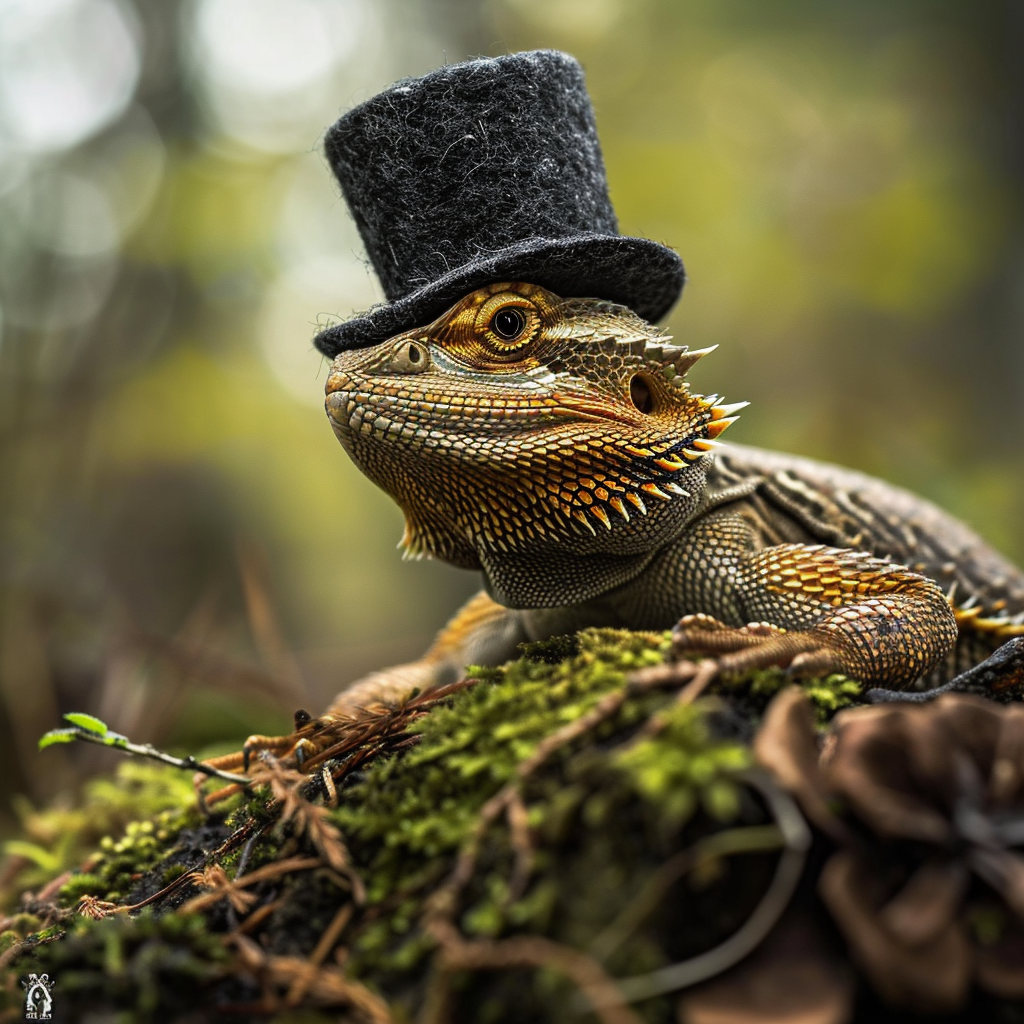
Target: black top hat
(480,172)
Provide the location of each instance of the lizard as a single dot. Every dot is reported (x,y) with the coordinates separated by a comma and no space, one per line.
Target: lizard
(554,444)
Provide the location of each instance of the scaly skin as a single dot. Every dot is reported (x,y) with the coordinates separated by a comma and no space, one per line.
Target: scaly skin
(569,462)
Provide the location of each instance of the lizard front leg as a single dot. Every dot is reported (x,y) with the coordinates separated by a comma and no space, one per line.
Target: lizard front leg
(811,608)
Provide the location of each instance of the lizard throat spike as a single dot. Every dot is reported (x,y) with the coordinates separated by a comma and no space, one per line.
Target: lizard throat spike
(723,416)
(655,491)
(637,501)
(716,427)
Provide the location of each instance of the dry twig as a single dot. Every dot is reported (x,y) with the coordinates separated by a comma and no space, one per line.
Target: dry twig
(534,951)
(328,940)
(327,986)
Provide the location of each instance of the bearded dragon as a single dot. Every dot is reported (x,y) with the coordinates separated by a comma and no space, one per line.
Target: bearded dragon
(554,445)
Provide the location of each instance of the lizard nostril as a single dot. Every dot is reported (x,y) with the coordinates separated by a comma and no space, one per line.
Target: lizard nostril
(640,394)
(412,357)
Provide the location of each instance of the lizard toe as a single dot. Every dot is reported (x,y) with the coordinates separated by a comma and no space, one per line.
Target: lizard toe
(702,634)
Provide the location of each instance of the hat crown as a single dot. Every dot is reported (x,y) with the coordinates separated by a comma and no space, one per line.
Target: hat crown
(442,170)
(482,172)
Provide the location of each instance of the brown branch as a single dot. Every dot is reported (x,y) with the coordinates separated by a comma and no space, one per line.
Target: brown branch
(582,970)
(257,917)
(327,986)
(226,890)
(328,940)
(522,846)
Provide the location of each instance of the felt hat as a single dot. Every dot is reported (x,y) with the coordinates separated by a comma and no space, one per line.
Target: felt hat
(481,172)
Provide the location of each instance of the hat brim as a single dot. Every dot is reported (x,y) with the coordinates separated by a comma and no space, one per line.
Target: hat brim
(636,272)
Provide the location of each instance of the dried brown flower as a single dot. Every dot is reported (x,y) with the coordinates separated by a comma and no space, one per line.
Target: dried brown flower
(92,906)
(793,978)
(927,804)
(214,878)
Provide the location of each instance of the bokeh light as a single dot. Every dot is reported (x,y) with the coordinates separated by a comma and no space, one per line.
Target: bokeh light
(271,71)
(68,68)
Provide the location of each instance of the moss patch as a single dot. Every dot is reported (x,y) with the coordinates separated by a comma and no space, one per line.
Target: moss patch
(594,826)
(120,827)
(752,693)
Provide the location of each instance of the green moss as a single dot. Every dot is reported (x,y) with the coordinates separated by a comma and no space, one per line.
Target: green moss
(603,815)
(425,803)
(552,650)
(159,801)
(605,811)
(121,862)
(85,883)
(832,694)
(755,690)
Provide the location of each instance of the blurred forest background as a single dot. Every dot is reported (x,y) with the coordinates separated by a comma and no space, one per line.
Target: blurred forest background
(185,550)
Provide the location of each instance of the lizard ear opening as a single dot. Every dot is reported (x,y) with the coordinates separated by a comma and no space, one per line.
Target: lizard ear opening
(640,394)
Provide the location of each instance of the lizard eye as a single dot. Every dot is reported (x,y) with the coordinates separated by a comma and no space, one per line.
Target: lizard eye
(508,323)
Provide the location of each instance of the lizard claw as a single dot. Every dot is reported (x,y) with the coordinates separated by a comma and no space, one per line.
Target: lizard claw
(308,738)
(704,634)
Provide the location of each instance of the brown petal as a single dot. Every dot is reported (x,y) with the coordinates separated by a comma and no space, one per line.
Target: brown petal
(926,904)
(870,767)
(1004,871)
(786,744)
(957,722)
(930,976)
(792,978)
(1007,779)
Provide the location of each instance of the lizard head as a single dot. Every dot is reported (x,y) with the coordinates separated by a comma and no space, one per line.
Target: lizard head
(523,433)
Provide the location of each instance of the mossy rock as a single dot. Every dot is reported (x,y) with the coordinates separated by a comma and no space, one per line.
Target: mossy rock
(586,844)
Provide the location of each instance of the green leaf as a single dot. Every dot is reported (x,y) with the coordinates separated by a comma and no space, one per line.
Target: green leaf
(57,736)
(44,858)
(87,722)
